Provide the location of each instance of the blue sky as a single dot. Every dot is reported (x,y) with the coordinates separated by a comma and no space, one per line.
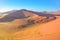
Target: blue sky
(35,5)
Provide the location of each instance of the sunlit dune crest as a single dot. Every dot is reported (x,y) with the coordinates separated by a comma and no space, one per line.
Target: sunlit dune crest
(3,15)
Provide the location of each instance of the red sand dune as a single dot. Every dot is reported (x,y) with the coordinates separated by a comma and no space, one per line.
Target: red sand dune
(54,12)
(48,31)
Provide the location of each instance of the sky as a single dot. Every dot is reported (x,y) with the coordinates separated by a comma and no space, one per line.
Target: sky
(35,5)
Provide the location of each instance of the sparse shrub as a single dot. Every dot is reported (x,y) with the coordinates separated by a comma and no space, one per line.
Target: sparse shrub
(25,25)
(22,26)
(31,22)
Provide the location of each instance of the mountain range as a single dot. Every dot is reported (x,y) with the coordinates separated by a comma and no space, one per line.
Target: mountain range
(23,13)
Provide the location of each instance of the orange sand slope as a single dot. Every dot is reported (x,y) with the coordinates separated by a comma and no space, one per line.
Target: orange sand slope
(45,31)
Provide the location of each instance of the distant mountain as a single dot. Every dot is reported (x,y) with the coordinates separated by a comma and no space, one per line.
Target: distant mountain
(23,13)
(13,15)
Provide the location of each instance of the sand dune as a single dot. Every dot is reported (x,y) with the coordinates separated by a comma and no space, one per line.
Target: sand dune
(54,13)
(48,31)
(45,27)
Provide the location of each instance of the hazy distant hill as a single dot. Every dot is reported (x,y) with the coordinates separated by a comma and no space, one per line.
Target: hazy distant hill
(55,13)
(23,13)
(13,15)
